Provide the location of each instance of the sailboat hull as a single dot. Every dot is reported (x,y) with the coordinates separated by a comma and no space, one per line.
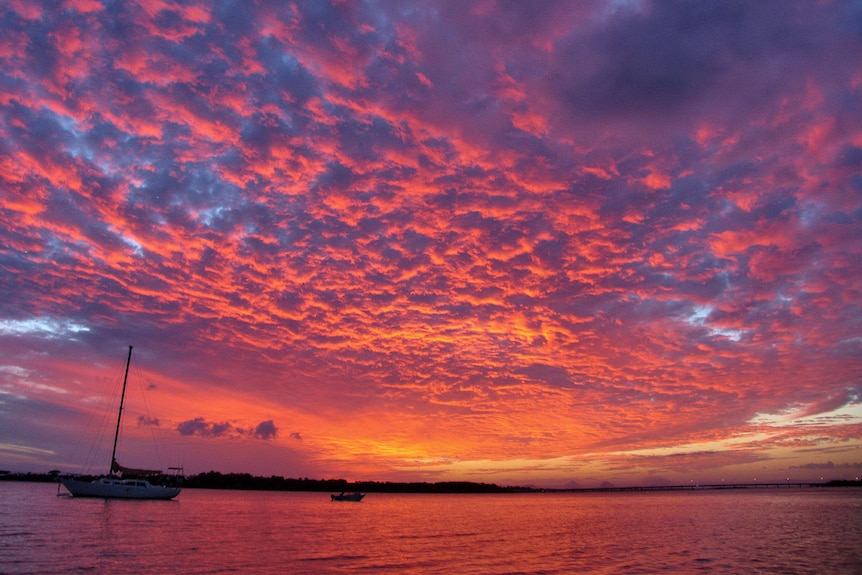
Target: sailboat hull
(113,488)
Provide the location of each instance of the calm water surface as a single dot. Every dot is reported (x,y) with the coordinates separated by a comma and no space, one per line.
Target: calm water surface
(207,531)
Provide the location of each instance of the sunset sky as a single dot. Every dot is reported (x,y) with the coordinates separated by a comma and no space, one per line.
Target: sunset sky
(548,243)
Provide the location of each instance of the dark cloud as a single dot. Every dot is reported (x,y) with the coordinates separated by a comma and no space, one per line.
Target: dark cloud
(661,61)
(549,374)
(199,427)
(265,430)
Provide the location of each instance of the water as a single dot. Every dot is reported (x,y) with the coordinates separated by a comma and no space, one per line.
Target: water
(771,531)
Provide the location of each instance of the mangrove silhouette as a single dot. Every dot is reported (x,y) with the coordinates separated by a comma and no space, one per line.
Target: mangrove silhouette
(246,481)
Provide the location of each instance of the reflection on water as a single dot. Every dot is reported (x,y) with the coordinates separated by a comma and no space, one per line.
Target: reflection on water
(205,532)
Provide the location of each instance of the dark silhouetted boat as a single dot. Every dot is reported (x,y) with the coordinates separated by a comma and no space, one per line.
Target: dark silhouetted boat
(347,496)
(123,482)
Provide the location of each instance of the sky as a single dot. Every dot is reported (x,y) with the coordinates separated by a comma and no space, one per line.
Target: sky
(562,244)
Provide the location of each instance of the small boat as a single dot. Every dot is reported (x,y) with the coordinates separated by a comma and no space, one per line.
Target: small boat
(124,482)
(347,496)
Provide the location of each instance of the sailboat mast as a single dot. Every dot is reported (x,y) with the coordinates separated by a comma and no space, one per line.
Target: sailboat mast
(120,413)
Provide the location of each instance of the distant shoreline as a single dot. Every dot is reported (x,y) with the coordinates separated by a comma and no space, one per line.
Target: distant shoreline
(248,482)
(718,486)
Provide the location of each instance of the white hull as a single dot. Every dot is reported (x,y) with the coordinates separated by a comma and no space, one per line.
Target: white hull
(113,488)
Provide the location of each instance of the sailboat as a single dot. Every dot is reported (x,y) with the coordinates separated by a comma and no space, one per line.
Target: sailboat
(118,484)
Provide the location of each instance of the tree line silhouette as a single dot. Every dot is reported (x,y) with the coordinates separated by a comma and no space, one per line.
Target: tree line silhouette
(246,481)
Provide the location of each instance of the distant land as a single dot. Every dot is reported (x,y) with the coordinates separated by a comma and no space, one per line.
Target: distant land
(248,482)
